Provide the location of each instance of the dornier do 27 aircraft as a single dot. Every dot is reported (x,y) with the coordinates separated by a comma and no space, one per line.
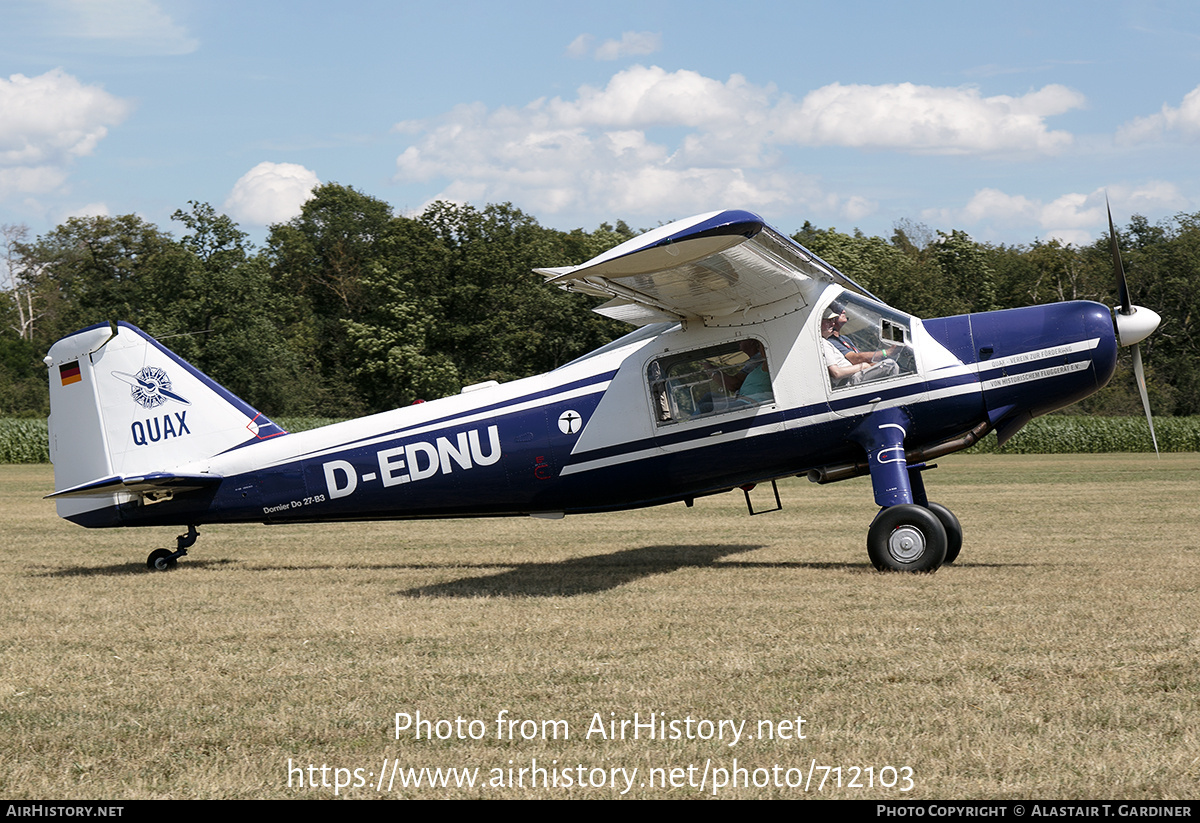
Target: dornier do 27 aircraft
(753,360)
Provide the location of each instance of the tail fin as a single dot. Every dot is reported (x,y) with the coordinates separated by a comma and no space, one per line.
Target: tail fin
(123,407)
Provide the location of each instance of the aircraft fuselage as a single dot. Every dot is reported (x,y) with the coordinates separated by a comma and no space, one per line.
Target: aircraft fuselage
(583,438)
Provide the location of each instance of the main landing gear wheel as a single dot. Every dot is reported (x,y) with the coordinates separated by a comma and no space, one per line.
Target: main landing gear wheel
(954,536)
(161,560)
(907,538)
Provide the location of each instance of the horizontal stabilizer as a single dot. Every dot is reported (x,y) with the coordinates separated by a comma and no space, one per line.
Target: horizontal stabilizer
(157,482)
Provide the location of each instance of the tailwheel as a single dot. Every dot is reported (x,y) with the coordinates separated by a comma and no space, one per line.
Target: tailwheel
(907,538)
(161,560)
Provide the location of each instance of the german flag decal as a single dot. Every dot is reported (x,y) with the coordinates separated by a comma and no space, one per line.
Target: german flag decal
(68,373)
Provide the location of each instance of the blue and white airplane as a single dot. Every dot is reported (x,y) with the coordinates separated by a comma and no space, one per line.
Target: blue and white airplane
(753,360)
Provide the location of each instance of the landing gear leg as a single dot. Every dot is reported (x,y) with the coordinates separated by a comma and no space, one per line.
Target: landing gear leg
(162,560)
(908,534)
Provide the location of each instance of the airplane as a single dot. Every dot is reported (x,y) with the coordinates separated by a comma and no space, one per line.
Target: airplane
(752,360)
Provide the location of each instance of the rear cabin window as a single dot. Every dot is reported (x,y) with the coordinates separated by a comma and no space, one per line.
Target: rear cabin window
(714,380)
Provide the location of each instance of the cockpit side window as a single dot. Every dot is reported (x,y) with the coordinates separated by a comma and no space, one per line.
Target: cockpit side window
(863,342)
(713,380)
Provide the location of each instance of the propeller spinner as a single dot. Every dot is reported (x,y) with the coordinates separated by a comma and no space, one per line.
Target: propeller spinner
(1134,323)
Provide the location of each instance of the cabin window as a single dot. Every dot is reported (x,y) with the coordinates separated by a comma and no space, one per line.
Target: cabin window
(713,380)
(863,342)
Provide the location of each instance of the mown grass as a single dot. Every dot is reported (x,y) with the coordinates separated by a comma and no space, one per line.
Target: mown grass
(1056,659)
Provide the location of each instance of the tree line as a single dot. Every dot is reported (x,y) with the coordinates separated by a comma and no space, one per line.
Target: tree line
(349,309)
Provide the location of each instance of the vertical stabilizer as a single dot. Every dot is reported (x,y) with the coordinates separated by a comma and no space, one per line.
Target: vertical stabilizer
(123,406)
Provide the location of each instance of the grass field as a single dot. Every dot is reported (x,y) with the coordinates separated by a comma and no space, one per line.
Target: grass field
(1058,658)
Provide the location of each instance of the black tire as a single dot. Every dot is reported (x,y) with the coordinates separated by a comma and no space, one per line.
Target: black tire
(161,560)
(906,538)
(953,529)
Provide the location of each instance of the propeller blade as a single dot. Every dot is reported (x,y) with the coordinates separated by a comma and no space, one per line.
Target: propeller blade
(1140,374)
(1129,329)
(1118,269)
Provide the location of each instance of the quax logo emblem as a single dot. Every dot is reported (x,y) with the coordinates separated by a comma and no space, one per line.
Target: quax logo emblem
(151,388)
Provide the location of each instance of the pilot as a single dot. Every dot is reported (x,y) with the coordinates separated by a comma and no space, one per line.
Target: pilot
(846,346)
(843,371)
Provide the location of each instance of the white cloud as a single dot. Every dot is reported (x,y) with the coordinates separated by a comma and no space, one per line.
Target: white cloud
(1073,217)
(30,180)
(90,210)
(46,122)
(655,142)
(1154,196)
(856,208)
(928,120)
(593,152)
(270,193)
(580,46)
(631,44)
(641,97)
(1184,120)
(132,26)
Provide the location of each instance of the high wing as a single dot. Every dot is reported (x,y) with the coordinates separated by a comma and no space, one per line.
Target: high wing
(708,267)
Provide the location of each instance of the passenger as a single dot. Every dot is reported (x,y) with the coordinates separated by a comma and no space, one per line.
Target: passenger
(658,388)
(754,382)
(750,384)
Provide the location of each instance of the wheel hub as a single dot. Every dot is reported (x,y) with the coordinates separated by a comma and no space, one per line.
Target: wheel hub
(906,544)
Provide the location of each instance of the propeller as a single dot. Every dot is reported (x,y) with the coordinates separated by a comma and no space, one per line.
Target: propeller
(1134,323)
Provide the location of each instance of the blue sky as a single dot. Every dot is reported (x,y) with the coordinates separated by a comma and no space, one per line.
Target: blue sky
(1008,121)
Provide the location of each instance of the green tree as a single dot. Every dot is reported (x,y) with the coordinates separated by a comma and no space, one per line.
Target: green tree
(228,317)
(390,353)
(108,268)
(320,260)
(891,271)
(377,298)
(1162,265)
(22,376)
(501,320)
(969,280)
(204,296)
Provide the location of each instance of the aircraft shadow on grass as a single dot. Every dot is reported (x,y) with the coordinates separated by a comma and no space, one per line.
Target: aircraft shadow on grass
(588,575)
(122,569)
(582,575)
(578,575)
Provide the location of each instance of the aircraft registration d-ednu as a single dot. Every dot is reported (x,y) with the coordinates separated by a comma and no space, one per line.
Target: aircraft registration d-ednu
(753,360)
